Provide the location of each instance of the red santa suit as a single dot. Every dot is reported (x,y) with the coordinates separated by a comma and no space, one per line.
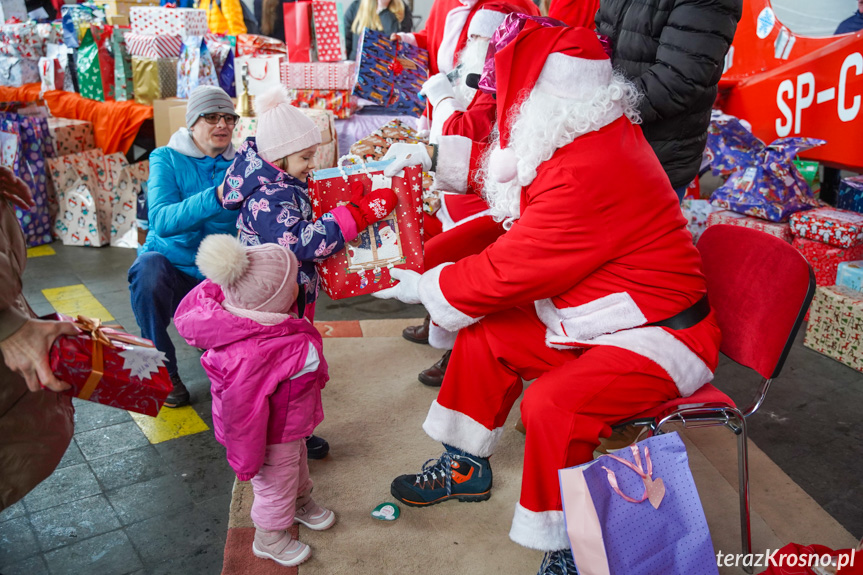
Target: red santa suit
(566,296)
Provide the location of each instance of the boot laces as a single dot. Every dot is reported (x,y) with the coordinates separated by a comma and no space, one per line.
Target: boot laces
(433,467)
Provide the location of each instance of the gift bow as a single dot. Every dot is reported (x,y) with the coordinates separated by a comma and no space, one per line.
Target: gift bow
(654,489)
(94,328)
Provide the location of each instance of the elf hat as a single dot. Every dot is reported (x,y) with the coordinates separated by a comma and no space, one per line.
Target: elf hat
(567,62)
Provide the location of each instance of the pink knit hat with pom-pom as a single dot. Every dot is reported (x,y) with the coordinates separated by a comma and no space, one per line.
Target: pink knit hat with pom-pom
(282,129)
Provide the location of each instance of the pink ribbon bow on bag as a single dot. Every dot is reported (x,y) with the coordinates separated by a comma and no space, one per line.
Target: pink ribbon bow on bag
(654,489)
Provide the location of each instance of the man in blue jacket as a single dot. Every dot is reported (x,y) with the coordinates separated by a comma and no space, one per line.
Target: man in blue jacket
(854,23)
(184,206)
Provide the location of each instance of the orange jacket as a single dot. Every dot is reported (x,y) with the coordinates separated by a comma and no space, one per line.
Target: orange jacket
(228,20)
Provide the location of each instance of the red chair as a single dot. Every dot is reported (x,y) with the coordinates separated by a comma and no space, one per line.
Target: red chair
(760,288)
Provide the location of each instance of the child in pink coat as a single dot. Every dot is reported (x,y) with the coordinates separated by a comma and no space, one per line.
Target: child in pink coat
(266,369)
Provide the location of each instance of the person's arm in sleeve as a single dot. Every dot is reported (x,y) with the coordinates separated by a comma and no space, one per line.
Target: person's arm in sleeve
(169,213)
(233,13)
(349,17)
(691,53)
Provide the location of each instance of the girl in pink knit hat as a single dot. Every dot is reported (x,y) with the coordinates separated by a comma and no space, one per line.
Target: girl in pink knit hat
(266,368)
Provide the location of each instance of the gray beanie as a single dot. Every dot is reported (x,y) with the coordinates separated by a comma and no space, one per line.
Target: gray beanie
(205,100)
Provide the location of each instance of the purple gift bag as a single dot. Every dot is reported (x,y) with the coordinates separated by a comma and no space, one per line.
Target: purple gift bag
(612,524)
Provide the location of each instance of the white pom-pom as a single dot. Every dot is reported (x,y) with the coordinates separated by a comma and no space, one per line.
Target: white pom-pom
(271,99)
(503,165)
(222,258)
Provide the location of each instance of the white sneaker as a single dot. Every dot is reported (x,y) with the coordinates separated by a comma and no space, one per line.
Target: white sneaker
(280,547)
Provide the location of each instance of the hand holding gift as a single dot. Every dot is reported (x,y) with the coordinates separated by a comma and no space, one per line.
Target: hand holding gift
(372,207)
(404,155)
(406,291)
(26,352)
(13,189)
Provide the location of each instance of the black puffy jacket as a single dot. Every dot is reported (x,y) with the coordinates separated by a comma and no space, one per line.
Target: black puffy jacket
(674,52)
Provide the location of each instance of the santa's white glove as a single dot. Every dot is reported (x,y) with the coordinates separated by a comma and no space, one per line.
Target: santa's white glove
(437,88)
(406,291)
(404,155)
(405,37)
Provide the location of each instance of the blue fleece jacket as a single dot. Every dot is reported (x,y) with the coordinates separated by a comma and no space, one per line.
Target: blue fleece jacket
(182,202)
(852,24)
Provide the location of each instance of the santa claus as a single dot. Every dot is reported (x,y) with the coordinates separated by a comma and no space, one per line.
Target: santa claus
(595,291)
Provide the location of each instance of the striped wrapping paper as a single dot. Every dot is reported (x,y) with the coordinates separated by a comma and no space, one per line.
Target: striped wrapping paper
(319,75)
(154,46)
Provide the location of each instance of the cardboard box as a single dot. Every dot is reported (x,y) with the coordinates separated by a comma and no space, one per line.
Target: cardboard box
(118,20)
(169,115)
(122,7)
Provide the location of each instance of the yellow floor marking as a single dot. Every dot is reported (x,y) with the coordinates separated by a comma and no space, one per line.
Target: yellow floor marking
(171,423)
(45,250)
(76,300)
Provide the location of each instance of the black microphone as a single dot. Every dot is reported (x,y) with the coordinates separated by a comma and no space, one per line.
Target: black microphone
(472,81)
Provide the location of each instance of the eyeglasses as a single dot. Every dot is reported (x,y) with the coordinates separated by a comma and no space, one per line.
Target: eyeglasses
(213,118)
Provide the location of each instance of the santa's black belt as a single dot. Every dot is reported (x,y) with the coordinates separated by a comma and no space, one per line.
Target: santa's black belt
(687,318)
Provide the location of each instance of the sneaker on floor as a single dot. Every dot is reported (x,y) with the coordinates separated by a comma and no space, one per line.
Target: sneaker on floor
(280,547)
(558,563)
(179,396)
(317,447)
(313,515)
(455,475)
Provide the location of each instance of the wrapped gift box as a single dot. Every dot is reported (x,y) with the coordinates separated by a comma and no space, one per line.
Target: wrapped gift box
(836,325)
(327,152)
(154,79)
(781,231)
(13,9)
(110,367)
(840,228)
(28,39)
(16,71)
(114,8)
(258,45)
(850,195)
(362,267)
(825,259)
(697,213)
(811,172)
(850,275)
(340,102)
(168,21)
(71,136)
(391,73)
(153,46)
(328,43)
(319,75)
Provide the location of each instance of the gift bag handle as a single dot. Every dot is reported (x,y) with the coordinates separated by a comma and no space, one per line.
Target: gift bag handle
(358,160)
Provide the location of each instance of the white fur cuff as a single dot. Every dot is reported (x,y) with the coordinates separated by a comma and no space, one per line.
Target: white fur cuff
(542,530)
(457,429)
(440,310)
(453,163)
(440,338)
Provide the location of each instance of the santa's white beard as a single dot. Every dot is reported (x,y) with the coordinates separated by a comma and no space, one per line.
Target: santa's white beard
(471,59)
(544,124)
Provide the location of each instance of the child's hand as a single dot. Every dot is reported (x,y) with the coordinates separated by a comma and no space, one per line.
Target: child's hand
(372,207)
(220,193)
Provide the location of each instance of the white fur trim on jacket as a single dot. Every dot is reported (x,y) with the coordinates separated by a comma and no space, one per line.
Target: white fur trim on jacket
(440,310)
(573,78)
(542,530)
(457,429)
(453,163)
(440,338)
(607,314)
(442,112)
(685,368)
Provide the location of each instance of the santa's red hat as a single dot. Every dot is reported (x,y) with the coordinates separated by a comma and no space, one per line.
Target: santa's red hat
(567,62)
(487,19)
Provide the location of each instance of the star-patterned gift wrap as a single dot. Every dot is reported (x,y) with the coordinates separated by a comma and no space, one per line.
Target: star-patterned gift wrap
(340,102)
(391,73)
(825,259)
(108,366)
(835,325)
(328,42)
(154,46)
(71,136)
(850,275)
(839,228)
(319,75)
(327,152)
(363,266)
(850,195)
(781,231)
(168,21)
(15,71)
(696,213)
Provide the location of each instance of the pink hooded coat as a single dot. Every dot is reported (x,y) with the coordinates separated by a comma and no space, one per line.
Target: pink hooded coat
(250,366)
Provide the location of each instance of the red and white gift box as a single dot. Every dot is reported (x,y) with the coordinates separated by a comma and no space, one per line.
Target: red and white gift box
(363,265)
(840,228)
(327,39)
(780,230)
(154,46)
(108,366)
(168,21)
(825,259)
(320,75)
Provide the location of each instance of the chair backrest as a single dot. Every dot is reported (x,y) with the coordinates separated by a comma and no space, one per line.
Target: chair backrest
(760,288)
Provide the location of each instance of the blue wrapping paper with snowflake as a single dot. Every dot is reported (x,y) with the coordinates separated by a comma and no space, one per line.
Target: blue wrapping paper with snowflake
(364,265)
(391,73)
(763,180)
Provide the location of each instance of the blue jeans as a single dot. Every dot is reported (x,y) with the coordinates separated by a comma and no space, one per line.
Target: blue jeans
(681,191)
(157,288)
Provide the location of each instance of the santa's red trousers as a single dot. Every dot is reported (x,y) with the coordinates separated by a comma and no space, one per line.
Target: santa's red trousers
(577,395)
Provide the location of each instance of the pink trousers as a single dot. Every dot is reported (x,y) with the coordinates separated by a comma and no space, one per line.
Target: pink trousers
(283,478)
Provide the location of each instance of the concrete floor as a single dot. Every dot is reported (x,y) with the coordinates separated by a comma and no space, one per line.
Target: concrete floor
(119,503)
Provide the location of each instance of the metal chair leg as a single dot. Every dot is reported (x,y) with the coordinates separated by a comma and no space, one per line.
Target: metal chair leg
(743,472)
